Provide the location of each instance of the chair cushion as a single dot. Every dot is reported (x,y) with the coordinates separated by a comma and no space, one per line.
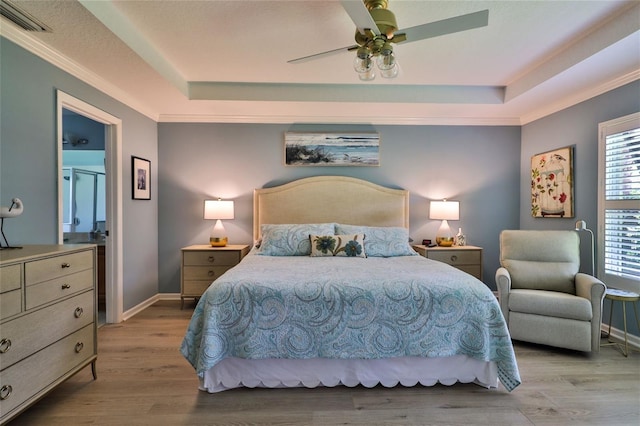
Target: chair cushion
(542,260)
(551,304)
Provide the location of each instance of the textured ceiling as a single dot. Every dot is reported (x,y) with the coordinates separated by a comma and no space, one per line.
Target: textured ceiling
(226,61)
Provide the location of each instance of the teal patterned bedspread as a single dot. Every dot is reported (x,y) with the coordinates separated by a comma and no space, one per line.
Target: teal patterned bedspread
(328,307)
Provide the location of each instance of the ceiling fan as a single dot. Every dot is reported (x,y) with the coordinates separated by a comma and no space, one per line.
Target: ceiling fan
(376,30)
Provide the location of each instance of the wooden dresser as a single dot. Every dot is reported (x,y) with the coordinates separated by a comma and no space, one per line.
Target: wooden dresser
(48,320)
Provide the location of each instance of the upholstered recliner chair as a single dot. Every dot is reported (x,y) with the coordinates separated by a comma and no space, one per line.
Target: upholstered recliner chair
(543,297)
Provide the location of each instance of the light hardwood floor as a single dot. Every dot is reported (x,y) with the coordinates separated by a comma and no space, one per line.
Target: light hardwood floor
(143,380)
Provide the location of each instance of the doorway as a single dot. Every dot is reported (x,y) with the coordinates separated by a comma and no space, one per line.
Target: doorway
(106,231)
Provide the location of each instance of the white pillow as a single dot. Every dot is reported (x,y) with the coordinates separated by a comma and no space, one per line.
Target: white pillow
(381,241)
(291,239)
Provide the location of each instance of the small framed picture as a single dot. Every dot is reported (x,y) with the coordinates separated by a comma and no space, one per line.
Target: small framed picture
(140,178)
(552,183)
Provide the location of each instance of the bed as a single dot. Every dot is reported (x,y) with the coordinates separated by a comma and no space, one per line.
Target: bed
(333,294)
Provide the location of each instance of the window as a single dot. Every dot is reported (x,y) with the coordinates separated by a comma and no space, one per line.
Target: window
(619,202)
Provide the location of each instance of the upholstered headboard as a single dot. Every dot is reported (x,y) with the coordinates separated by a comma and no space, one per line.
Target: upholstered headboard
(337,199)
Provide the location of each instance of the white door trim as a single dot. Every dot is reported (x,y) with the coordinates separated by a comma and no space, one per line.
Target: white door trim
(113,157)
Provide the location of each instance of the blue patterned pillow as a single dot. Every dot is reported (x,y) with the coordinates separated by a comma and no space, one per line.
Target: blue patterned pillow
(291,239)
(337,245)
(381,241)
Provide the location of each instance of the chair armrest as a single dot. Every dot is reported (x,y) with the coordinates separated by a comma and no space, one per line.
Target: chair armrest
(592,289)
(503,282)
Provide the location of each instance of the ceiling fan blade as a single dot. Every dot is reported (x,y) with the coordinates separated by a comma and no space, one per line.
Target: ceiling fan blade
(446,26)
(322,54)
(360,16)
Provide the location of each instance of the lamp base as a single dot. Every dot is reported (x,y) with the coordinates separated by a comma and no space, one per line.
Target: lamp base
(218,241)
(444,241)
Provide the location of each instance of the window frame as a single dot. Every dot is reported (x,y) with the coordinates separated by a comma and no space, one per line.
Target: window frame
(605,129)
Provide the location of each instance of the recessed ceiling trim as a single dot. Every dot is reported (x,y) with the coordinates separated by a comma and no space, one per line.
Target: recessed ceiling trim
(109,14)
(294,92)
(616,29)
(335,119)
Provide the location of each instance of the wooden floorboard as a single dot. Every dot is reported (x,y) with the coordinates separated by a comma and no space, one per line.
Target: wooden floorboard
(144,380)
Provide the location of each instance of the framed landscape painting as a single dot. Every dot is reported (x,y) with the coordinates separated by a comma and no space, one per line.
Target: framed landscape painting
(332,149)
(552,183)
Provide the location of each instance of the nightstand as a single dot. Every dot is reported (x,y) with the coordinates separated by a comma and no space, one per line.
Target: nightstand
(465,258)
(202,264)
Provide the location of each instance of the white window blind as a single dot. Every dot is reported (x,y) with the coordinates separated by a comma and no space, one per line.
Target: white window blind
(619,202)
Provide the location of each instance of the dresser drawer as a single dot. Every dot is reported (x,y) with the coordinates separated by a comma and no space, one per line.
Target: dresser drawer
(48,291)
(10,278)
(10,304)
(194,288)
(35,330)
(35,374)
(58,266)
(455,257)
(204,272)
(211,258)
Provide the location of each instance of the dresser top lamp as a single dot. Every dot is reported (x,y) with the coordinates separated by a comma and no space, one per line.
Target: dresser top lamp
(218,210)
(444,210)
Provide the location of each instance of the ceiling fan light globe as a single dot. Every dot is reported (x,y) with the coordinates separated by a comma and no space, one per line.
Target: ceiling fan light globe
(391,72)
(363,65)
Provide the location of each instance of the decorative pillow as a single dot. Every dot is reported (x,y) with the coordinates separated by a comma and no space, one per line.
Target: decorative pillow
(337,245)
(381,241)
(291,239)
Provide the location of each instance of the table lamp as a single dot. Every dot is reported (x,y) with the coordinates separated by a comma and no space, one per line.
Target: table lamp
(444,210)
(218,210)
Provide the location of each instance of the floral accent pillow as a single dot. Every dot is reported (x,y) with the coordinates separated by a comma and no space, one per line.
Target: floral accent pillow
(381,241)
(290,239)
(337,245)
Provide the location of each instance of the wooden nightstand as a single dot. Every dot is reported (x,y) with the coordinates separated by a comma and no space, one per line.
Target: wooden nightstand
(202,264)
(465,258)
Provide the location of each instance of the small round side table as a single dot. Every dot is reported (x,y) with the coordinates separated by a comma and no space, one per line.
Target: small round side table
(613,294)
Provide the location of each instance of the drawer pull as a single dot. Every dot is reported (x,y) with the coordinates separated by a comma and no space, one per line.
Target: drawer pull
(79,347)
(5,345)
(5,392)
(454,258)
(211,259)
(78,312)
(211,273)
(66,265)
(66,286)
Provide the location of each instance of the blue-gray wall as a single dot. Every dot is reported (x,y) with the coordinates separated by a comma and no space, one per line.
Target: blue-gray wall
(578,126)
(479,166)
(28,163)
(486,168)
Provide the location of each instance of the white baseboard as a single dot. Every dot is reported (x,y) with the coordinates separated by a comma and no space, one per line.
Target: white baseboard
(150,301)
(618,336)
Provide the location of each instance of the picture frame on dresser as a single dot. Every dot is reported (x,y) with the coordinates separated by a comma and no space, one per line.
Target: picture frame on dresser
(140,178)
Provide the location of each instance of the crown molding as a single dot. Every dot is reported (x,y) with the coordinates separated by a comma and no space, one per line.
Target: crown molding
(570,101)
(20,37)
(340,119)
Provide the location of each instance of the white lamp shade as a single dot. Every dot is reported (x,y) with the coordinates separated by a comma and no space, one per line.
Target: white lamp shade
(218,209)
(444,210)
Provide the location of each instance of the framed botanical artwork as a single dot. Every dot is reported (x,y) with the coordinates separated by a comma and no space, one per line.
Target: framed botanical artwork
(332,149)
(552,183)
(140,178)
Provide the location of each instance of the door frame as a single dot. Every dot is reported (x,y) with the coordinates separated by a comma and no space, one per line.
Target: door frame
(113,168)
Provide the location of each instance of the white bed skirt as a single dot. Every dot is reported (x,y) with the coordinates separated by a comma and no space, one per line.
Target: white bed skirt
(233,373)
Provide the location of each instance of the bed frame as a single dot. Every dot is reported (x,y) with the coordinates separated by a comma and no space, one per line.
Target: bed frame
(350,201)
(322,199)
